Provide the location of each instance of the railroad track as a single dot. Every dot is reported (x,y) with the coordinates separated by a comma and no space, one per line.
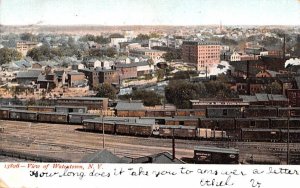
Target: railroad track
(65,138)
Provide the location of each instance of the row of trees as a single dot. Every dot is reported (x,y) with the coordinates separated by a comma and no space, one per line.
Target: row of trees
(180,92)
(149,98)
(7,55)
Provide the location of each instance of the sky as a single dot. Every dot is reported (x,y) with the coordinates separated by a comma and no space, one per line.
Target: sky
(150,12)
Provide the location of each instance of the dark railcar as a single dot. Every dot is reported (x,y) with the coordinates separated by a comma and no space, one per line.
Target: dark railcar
(224,112)
(294,135)
(52,117)
(122,128)
(260,112)
(265,135)
(177,131)
(215,155)
(140,129)
(293,111)
(252,123)
(278,123)
(23,115)
(217,123)
(77,118)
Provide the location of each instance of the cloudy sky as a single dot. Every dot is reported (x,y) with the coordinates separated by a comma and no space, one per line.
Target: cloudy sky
(150,12)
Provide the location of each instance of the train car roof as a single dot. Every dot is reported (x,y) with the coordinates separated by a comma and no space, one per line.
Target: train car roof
(177,127)
(66,106)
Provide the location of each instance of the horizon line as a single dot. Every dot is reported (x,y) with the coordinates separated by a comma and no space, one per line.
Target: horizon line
(139,25)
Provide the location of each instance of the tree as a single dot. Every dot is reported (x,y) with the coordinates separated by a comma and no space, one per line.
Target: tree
(7,55)
(160,74)
(111,52)
(154,35)
(181,92)
(149,98)
(184,75)
(106,90)
(142,37)
(28,37)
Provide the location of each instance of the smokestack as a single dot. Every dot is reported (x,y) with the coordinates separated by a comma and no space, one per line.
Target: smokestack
(283,50)
(173,146)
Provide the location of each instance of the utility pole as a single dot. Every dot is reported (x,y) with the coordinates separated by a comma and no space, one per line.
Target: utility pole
(173,145)
(103,137)
(288,138)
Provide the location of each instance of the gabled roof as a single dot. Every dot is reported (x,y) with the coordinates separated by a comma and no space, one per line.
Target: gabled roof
(102,156)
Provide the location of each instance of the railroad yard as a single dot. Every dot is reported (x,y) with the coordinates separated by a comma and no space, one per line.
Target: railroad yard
(66,142)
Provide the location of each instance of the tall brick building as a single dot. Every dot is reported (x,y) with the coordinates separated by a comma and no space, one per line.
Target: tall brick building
(203,54)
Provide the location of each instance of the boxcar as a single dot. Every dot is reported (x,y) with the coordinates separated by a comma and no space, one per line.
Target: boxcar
(278,123)
(122,128)
(186,132)
(77,118)
(88,125)
(182,120)
(223,112)
(140,129)
(23,115)
(109,127)
(252,123)
(217,123)
(191,112)
(178,131)
(4,113)
(294,135)
(266,135)
(52,117)
(215,155)
(260,112)
(207,123)
(293,111)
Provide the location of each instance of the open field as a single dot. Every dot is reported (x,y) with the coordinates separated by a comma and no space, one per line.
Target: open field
(64,141)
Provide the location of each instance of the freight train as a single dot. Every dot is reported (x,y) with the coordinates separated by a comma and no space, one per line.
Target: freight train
(250,124)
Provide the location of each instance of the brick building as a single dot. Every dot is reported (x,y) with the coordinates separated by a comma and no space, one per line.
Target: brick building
(203,54)
(24,46)
(75,79)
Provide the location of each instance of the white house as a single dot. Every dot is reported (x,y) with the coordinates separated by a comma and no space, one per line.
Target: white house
(115,41)
(235,57)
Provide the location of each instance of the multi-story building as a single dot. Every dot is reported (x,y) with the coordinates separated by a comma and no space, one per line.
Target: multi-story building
(203,54)
(155,55)
(109,76)
(24,46)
